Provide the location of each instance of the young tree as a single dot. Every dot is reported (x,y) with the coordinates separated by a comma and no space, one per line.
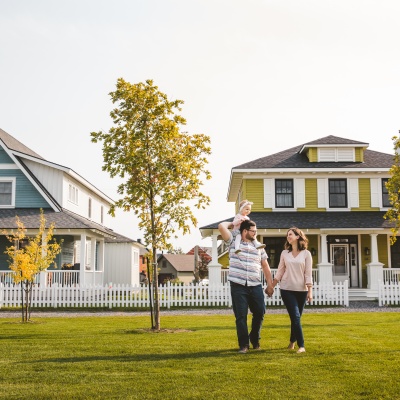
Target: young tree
(161,166)
(393,187)
(29,256)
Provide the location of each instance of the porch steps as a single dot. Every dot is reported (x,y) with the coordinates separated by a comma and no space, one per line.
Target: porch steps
(362,294)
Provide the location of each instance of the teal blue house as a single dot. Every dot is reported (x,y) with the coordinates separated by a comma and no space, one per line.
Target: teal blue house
(92,253)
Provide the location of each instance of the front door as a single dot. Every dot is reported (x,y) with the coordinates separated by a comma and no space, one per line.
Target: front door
(340,262)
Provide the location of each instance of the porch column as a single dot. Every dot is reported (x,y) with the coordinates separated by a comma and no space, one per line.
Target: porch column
(93,259)
(100,259)
(82,261)
(214,268)
(324,267)
(374,268)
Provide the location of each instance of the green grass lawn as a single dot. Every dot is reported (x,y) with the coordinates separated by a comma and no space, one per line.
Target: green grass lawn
(349,356)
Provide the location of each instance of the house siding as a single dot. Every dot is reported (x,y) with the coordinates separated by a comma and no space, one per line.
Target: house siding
(4,157)
(383,250)
(119,265)
(359,154)
(254,193)
(311,196)
(26,195)
(50,178)
(224,260)
(364,187)
(312,154)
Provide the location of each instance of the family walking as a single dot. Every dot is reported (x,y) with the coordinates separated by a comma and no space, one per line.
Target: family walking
(246,258)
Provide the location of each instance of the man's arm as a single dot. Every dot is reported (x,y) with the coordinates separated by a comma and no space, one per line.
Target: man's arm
(268,277)
(223,228)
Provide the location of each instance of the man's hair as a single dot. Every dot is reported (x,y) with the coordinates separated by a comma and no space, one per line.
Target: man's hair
(246,224)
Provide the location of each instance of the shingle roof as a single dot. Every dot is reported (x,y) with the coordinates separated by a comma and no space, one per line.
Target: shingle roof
(62,220)
(181,262)
(316,220)
(291,158)
(14,144)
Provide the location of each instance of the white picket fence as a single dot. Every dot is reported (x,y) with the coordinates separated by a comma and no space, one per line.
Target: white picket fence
(170,295)
(389,293)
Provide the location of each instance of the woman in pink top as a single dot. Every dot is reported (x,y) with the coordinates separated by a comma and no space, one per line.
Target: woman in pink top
(295,277)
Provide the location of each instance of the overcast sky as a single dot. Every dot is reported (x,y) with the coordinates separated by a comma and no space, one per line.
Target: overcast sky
(257,76)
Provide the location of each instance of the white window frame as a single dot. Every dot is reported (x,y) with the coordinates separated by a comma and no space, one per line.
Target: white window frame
(323,194)
(11,180)
(299,193)
(73,194)
(336,154)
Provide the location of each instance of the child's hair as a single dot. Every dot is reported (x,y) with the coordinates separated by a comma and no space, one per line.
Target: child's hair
(244,203)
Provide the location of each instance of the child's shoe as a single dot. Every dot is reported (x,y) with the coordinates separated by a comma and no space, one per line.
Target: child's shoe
(237,251)
(260,246)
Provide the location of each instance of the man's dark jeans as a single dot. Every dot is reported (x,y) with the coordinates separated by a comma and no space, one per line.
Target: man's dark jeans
(295,302)
(243,299)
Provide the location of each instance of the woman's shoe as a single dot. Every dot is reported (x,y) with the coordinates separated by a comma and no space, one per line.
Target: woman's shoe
(301,350)
(291,346)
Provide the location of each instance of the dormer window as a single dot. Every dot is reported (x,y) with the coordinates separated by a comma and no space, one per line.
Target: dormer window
(336,154)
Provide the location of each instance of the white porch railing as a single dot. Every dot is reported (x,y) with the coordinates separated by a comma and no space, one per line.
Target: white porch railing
(391,275)
(171,295)
(61,278)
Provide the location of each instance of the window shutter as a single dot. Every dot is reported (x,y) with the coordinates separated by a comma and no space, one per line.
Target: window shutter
(321,187)
(345,154)
(375,192)
(325,155)
(300,199)
(268,193)
(354,197)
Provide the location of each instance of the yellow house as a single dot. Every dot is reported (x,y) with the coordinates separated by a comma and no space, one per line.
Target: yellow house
(334,190)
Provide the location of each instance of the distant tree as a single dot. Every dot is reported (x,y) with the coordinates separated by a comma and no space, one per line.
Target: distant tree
(393,187)
(161,167)
(177,250)
(202,259)
(29,256)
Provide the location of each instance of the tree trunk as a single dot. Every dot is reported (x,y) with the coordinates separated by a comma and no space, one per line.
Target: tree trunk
(157,324)
(22,300)
(26,300)
(150,282)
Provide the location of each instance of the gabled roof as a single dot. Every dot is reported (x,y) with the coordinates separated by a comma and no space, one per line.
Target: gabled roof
(62,220)
(181,262)
(20,152)
(15,145)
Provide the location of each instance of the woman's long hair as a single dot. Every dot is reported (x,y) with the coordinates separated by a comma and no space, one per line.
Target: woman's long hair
(302,241)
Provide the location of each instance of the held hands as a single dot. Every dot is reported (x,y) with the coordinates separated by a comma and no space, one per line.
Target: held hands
(269,290)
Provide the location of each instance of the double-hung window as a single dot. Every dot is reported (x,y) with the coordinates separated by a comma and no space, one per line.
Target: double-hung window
(337,193)
(73,194)
(284,193)
(7,193)
(385,194)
